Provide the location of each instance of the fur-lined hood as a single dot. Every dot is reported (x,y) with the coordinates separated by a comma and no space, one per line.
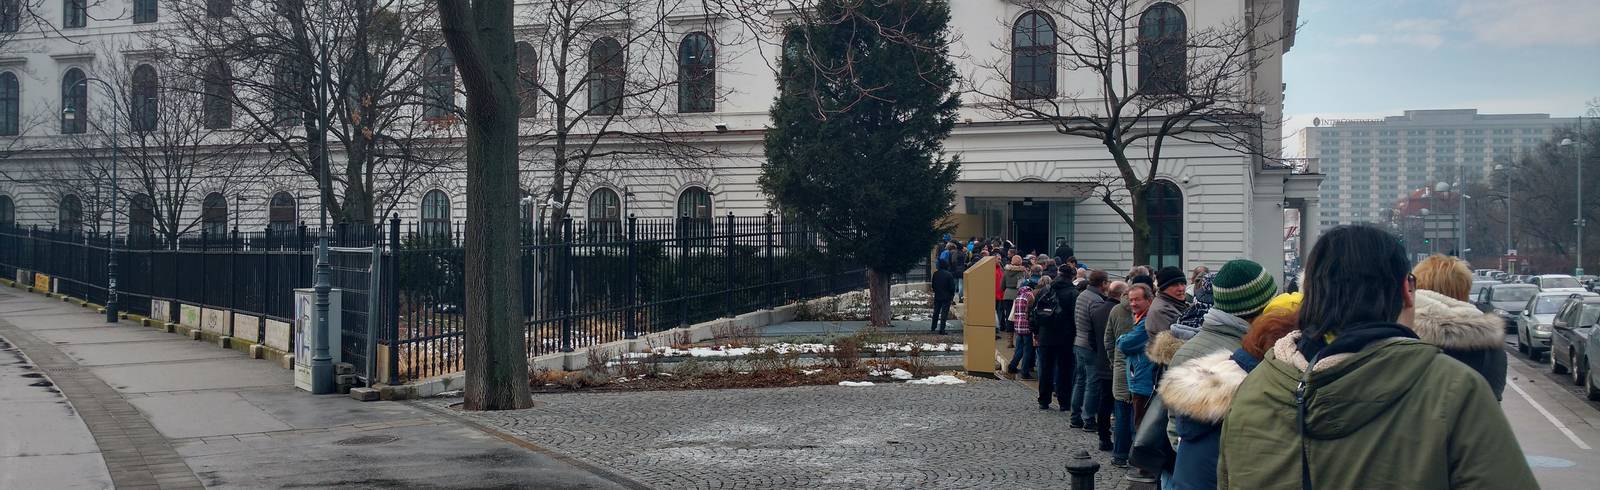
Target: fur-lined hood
(1203,388)
(1287,349)
(1015,268)
(1454,324)
(1163,347)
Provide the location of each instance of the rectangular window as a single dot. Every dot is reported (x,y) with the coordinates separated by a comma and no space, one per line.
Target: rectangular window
(144,11)
(77,13)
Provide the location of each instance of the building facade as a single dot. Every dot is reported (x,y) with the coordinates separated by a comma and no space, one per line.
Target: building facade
(1370,165)
(1020,179)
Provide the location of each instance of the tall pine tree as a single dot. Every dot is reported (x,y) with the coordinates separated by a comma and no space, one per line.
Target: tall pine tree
(856,149)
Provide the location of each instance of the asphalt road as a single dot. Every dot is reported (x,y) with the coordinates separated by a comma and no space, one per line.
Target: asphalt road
(1558,429)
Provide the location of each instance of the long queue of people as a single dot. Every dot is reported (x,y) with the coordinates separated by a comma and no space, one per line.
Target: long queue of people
(1377,375)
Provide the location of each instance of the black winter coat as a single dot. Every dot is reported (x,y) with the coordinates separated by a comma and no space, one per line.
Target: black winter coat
(944,285)
(1058,331)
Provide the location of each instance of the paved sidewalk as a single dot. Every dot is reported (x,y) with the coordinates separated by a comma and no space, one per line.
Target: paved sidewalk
(146,409)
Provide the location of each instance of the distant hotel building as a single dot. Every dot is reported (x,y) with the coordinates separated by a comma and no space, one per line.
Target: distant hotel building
(1371,164)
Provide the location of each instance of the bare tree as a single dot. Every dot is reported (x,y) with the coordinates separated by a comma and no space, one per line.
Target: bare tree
(1155,81)
(168,158)
(479,33)
(612,84)
(385,127)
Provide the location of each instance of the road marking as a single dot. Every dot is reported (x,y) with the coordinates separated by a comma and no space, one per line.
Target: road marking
(1547,416)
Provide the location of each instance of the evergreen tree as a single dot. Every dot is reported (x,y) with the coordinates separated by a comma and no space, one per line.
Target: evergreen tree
(856,148)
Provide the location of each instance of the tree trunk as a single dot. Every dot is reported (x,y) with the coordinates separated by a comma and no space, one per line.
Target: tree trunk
(480,36)
(878,294)
(1141,232)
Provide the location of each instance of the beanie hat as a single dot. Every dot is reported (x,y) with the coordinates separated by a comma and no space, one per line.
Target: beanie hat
(1141,279)
(1242,288)
(1288,303)
(1168,276)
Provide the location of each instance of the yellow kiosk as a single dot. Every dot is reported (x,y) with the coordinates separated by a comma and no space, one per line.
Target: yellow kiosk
(978,324)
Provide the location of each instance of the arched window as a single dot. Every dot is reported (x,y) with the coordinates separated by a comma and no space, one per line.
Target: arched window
(1162,57)
(10,15)
(1033,57)
(76,13)
(214,215)
(141,216)
(288,86)
(606,73)
(694,212)
(528,79)
(8,212)
(697,74)
(219,8)
(281,214)
(435,214)
(1163,208)
(74,102)
(144,98)
(144,11)
(219,95)
(10,104)
(69,214)
(439,86)
(605,213)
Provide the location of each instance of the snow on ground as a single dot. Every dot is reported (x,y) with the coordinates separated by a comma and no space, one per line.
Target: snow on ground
(726,350)
(943,379)
(897,373)
(855,383)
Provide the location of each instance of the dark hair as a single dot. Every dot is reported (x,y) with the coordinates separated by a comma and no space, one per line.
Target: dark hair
(1355,274)
(1098,278)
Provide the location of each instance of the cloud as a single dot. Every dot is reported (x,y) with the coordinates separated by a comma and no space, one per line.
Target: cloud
(1531,22)
(1420,33)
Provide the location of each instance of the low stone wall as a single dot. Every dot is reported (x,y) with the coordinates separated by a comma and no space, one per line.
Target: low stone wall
(579,358)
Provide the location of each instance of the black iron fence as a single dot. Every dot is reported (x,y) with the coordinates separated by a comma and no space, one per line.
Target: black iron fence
(584,283)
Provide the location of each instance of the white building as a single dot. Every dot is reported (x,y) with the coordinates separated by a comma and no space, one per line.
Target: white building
(1372,164)
(1019,179)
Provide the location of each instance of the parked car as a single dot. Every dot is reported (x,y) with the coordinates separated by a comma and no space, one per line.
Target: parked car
(1534,324)
(1483,273)
(1591,386)
(1478,286)
(1501,276)
(1558,283)
(1506,300)
(1573,326)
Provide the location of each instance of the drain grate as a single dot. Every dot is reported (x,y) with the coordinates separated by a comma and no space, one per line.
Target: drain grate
(367,440)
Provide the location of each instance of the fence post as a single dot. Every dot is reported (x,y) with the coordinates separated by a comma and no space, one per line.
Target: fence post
(679,270)
(205,248)
(564,287)
(392,296)
(630,323)
(233,271)
(266,294)
(727,269)
(771,277)
(343,233)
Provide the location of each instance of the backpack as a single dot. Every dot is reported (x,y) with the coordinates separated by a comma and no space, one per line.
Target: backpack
(1046,306)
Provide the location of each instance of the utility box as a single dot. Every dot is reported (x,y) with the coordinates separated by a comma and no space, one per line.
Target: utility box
(305,322)
(978,325)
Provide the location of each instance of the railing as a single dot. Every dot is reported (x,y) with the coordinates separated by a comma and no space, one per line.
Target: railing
(586,284)
(583,283)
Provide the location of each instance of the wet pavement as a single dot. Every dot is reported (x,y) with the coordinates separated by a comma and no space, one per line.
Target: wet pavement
(140,408)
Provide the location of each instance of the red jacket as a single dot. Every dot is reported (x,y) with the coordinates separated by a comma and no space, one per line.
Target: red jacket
(999,287)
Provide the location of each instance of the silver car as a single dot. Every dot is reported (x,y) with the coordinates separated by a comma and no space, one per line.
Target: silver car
(1535,324)
(1558,282)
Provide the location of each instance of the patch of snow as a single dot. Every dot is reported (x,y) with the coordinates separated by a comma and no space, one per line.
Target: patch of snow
(809,372)
(448,394)
(897,373)
(855,383)
(943,379)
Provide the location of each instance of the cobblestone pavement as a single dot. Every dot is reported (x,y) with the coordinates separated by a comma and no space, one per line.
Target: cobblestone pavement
(984,434)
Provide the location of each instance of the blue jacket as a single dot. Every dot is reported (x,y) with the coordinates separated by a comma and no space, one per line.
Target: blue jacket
(1141,372)
(1198,394)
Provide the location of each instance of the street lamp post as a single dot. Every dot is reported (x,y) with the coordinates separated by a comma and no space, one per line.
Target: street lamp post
(321,360)
(1507,172)
(111,250)
(1578,222)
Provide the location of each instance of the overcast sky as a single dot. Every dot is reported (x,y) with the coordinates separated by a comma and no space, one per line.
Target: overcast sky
(1370,58)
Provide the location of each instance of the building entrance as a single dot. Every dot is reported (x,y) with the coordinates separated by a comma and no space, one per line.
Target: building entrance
(1030,226)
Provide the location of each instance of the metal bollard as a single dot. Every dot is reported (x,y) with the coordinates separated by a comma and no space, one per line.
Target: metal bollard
(1082,468)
